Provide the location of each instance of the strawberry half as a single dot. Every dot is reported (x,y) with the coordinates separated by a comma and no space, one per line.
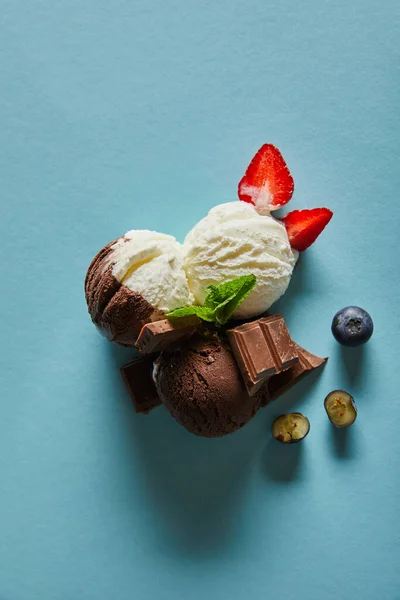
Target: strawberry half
(304,226)
(267,182)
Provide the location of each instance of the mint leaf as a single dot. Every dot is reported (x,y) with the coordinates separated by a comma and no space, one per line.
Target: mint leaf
(221,301)
(201,311)
(235,292)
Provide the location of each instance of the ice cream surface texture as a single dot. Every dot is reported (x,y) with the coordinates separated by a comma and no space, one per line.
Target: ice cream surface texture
(151,264)
(200,383)
(234,240)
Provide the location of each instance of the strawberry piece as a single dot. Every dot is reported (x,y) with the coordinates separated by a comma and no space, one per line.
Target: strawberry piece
(267,182)
(304,226)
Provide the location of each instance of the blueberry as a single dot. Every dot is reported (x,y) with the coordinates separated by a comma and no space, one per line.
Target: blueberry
(352,326)
(340,408)
(291,428)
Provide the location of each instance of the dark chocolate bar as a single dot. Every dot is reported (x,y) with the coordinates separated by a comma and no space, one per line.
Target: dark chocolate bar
(157,336)
(262,348)
(138,377)
(282,382)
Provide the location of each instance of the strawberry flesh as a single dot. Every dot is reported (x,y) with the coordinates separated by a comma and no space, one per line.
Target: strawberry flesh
(267,182)
(304,226)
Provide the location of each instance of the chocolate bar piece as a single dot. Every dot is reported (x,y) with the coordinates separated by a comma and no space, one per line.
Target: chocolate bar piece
(282,382)
(138,377)
(157,336)
(262,348)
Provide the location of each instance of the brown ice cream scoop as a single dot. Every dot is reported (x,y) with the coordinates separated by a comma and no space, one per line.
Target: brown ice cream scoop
(201,385)
(118,312)
(134,280)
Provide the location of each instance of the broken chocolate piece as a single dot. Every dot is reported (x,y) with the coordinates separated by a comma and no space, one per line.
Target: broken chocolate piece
(282,382)
(262,348)
(155,337)
(138,377)
(281,345)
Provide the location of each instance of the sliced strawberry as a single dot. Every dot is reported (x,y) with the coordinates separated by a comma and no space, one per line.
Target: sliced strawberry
(304,226)
(267,182)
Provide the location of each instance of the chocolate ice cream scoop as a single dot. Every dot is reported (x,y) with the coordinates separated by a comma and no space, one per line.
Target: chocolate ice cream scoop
(201,385)
(134,280)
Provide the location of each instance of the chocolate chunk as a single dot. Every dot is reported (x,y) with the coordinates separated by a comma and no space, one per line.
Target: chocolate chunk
(282,348)
(282,382)
(155,337)
(262,348)
(138,377)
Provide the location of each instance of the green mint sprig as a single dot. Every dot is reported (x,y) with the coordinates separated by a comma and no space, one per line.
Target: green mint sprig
(221,301)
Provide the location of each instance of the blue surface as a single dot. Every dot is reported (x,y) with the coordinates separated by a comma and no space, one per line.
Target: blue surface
(144,114)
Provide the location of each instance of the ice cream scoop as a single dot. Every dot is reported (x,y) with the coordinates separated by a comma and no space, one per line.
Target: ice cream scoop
(235,240)
(201,385)
(133,281)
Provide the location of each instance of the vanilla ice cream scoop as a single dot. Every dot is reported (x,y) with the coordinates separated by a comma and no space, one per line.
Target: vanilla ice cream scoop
(135,280)
(234,240)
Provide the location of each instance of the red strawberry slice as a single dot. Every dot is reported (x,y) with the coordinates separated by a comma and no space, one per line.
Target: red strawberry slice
(304,226)
(267,182)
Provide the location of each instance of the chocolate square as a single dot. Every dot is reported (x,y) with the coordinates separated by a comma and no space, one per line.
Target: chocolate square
(157,336)
(262,348)
(138,377)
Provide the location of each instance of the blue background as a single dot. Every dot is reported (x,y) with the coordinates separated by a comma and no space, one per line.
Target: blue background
(126,114)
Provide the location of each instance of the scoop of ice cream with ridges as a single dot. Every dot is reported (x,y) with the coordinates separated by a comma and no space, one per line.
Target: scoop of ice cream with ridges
(234,240)
(200,384)
(238,238)
(135,280)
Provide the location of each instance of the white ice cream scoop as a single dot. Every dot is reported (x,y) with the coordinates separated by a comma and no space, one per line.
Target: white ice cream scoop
(151,264)
(133,281)
(234,240)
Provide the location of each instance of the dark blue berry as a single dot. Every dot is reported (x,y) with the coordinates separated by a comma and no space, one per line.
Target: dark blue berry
(352,326)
